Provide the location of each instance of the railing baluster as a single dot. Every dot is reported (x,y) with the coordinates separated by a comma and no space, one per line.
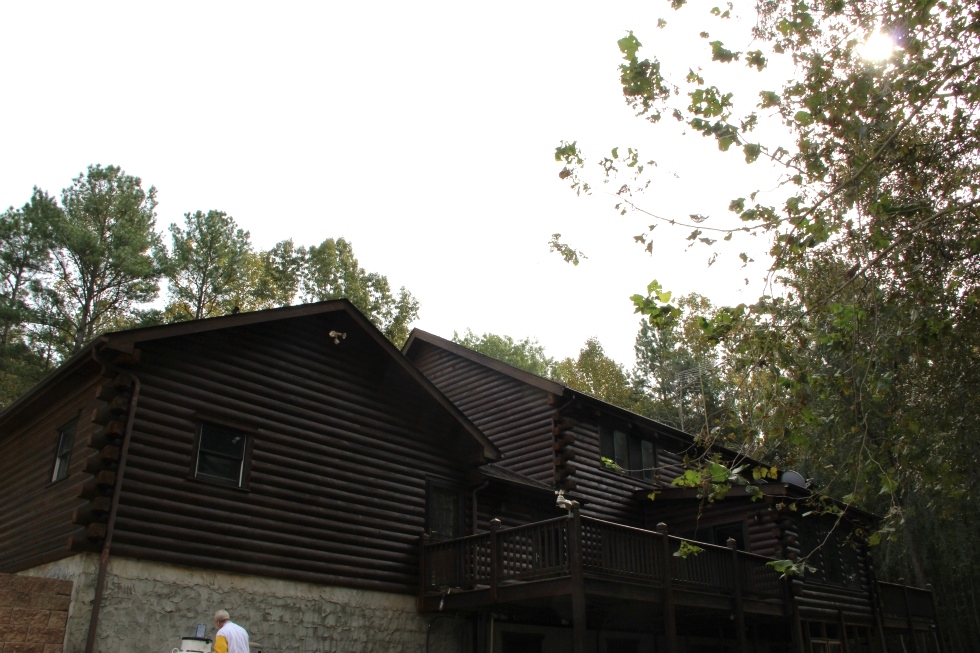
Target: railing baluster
(540,550)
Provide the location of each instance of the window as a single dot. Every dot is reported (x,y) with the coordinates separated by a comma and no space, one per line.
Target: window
(66,438)
(635,455)
(221,454)
(829,549)
(444,512)
(824,638)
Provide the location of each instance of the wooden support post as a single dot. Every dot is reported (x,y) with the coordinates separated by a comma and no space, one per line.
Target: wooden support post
(574,525)
(843,630)
(480,646)
(935,620)
(799,644)
(494,558)
(670,619)
(908,618)
(423,571)
(879,609)
(743,644)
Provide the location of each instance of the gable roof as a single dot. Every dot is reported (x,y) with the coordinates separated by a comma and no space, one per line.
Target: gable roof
(417,335)
(85,363)
(560,389)
(548,385)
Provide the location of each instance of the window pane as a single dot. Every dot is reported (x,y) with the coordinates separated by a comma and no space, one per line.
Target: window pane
(649,460)
(222,440)
(221,454)
(443,512)
(622,449)
(219,467)
(66,438)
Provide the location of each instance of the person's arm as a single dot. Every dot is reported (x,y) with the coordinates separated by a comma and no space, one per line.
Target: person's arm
(220,644)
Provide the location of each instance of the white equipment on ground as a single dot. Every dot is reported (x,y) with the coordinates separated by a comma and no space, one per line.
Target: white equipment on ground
(194,645)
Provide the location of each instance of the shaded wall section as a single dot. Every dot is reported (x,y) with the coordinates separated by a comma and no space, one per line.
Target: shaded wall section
(149,606)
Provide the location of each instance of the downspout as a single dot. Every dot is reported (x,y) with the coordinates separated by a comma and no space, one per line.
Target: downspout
(114,506)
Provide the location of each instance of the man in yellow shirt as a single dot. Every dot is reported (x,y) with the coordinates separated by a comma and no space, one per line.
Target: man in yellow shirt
(231,638)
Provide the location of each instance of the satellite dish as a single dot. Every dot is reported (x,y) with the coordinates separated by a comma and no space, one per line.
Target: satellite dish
(793,478)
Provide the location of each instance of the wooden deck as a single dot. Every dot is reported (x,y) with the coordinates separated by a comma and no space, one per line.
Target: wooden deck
(549,558)
(600,561)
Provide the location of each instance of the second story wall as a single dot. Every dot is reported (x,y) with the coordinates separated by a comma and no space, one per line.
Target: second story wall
(42,462)
(339,456)
(516,415)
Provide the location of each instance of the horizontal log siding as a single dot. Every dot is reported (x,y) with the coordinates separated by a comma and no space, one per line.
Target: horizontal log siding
(341,449)
(514,415)
(760,524)
(832,548)
(35,515)
(604,493)
(670,464)
(513,507)
(825,602)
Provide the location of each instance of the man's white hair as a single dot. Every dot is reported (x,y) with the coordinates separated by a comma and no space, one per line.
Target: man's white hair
(222,616)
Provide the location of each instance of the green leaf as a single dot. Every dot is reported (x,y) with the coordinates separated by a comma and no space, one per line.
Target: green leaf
(718,473)
(720,53)
(803,118)
(769,99)
(687,549)
(756,60)
(629,45)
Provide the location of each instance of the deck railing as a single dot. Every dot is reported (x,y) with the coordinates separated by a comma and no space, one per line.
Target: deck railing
(542,551)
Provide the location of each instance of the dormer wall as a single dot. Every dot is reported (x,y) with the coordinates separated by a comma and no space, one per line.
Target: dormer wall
(516,416)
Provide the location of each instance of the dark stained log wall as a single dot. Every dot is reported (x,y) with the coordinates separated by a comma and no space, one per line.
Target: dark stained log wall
(608,494)
(604,494)
(519,418)
(760,522)
(342,446)
(36,513)
(344,442)
(513,507)
(840,578)
(515,416)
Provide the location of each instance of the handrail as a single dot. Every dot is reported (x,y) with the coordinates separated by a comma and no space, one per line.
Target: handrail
(601,550)
(540,550)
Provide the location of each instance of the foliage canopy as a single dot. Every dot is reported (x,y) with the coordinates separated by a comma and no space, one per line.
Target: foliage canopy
(861,363)
(94,263)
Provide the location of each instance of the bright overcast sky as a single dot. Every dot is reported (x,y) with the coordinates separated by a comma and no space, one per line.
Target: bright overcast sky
(422,132)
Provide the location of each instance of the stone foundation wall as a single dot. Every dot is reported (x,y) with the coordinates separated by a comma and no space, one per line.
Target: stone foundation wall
(148,607)
(33,614)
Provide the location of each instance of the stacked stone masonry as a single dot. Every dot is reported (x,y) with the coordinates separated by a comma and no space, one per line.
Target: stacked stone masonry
(33,614)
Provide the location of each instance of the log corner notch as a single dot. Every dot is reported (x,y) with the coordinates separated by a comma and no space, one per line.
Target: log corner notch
(564,439)
(102,445)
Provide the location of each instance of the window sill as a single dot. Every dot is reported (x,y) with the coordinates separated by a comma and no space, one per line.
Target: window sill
(228,486)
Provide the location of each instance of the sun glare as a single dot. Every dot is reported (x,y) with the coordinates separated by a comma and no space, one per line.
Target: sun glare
(879,46)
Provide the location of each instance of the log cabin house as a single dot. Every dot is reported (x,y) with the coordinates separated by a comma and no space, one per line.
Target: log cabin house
(606,576)
(334,493)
